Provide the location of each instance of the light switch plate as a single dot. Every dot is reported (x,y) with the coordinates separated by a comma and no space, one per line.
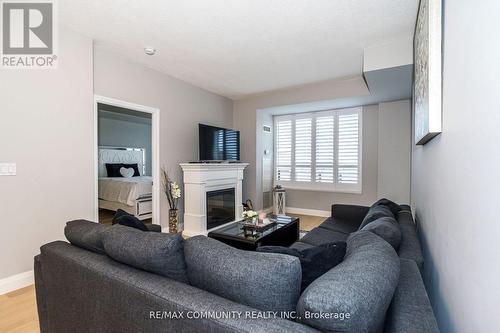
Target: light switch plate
(7,169)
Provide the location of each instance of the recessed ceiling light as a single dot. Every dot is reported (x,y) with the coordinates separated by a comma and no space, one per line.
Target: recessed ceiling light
(149,50)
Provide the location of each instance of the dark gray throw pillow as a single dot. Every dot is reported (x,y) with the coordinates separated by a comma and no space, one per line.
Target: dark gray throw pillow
(394,207)
(375,213)
(129,220)
(154,252)
(86,234)
(315,261)
(388,229)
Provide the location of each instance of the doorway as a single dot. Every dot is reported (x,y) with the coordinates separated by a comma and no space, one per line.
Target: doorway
(126,160)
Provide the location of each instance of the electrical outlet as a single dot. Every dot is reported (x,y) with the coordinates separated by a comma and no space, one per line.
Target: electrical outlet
(7,169)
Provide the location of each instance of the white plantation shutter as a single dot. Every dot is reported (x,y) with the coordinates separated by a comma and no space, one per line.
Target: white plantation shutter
(319,150)
(348,148)
(283,148)
(325,149)
(303,149)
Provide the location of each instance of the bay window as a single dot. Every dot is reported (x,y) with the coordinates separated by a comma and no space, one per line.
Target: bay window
(319,150)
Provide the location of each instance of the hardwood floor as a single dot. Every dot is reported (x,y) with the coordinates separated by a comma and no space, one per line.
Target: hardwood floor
(18,311)
(106,217)
(307,223)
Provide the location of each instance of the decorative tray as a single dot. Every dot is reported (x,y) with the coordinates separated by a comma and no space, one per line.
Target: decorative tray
(259,226)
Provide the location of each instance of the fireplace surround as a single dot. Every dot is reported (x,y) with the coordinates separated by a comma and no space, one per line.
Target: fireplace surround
(215,178)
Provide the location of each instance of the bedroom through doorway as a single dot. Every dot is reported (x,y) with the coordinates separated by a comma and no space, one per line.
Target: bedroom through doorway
(126,150)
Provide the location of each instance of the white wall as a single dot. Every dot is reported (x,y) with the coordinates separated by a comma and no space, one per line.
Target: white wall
(396,53)
(182,106)
(394,151)
(46,127)
(267,156)
(456,176)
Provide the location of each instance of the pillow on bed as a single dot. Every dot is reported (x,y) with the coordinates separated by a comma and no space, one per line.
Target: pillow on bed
(126,172)
(113,169)
(133,166)
(129,220)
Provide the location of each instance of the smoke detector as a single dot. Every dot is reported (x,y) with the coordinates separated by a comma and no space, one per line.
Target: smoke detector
(149,51)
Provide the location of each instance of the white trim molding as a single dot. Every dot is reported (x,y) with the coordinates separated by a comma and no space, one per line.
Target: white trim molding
(310,212)
(155,156)
(17,281)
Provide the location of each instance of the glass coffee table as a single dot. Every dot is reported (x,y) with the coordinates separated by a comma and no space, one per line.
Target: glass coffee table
(283,233)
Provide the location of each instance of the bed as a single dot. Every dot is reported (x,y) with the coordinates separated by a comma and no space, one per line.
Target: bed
(134,194)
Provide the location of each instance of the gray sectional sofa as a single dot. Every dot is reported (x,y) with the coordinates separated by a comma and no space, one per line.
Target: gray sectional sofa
(118,279)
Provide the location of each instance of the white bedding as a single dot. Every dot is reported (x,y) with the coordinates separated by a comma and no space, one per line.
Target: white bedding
(125,190)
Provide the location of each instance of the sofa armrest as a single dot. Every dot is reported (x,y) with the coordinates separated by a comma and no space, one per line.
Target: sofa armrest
(410,310)
(352,213)
(41,301)
(153,227)
(410,245)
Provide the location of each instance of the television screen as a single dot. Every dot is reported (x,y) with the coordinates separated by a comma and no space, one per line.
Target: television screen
(219,144)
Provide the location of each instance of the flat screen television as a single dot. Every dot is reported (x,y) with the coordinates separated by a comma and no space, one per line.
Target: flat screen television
(219,144)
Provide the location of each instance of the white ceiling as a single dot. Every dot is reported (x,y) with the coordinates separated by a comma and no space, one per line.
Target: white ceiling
(240,47)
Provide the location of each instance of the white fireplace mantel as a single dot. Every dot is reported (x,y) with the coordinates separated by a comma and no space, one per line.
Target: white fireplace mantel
(200,178)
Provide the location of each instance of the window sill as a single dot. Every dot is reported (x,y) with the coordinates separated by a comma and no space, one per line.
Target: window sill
(321,188)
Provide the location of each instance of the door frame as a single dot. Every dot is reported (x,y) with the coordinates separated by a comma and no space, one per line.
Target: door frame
(155,147)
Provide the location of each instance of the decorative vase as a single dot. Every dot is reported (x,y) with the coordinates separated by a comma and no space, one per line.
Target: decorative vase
(173,220)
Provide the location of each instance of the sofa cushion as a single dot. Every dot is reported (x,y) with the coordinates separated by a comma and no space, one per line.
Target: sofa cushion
(314,261)
(387,228)
(154,252)
(300,246)
(394,207)
(264,281)
(153,227)
(336,224)
(86,234)
(129,220)
(354,213)
(375,213)
(358,290)
(405,207)
(319,236)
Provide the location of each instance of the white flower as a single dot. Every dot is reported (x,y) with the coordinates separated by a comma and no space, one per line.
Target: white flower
(249,213)
(176,193)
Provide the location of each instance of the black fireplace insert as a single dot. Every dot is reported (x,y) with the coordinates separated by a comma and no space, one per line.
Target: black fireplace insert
(220,207)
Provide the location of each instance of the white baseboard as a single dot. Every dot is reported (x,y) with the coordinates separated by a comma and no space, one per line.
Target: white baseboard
(17,281)
(311,212)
